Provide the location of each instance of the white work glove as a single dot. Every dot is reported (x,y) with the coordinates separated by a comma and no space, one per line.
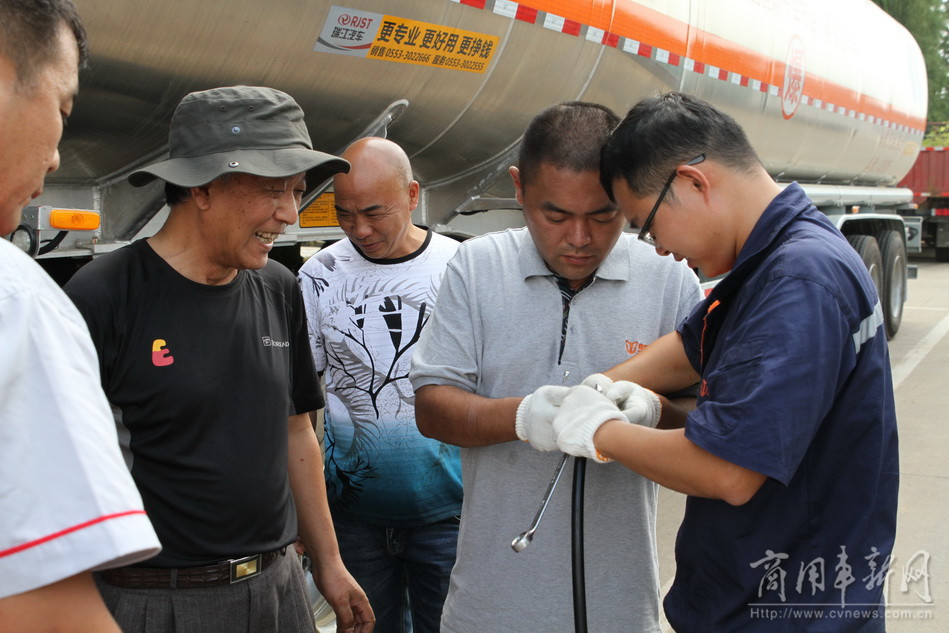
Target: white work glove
(535,415)
(581,414)
(600,382)
(639,405)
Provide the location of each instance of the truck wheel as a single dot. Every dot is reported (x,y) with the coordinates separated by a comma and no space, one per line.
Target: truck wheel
(942,253)
(869,252)
(893,255)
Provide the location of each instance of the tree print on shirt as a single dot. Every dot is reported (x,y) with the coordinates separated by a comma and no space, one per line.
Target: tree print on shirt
(369,347)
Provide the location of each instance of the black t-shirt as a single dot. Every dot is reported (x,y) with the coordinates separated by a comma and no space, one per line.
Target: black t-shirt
(204,379)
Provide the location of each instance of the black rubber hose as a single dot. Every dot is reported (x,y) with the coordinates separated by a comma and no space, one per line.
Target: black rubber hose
(579,578)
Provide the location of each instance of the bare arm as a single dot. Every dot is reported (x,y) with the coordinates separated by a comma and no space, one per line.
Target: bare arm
(662,367)
(671,460)
(458,417)
(72,605)
(674,412)
(336,584)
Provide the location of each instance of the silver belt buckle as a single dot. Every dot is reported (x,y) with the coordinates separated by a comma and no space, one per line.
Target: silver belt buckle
(244,568)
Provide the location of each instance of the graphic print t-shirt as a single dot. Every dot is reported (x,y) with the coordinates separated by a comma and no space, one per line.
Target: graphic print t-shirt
(365,317)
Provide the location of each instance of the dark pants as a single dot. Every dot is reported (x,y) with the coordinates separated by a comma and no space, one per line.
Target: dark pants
(276,600)
(404,571)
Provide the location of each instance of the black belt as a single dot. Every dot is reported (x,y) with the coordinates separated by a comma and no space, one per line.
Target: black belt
(231,571)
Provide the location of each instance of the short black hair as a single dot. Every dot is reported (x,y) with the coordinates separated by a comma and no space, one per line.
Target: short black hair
(568,136)
(28,34)
(176,194)
(662,132)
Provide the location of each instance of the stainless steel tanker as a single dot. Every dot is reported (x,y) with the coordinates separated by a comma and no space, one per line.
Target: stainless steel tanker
(832,94)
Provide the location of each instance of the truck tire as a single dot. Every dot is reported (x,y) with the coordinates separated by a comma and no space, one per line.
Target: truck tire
(893,255)
(869,252)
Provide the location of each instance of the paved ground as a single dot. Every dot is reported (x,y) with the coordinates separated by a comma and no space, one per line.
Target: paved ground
(919,357)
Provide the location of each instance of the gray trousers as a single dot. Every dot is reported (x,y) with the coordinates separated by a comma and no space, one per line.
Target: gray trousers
(276,600)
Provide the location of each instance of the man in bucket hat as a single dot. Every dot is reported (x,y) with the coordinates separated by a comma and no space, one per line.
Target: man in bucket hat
(204,356)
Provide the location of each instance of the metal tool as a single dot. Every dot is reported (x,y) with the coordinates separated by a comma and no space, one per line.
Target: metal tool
(525,538)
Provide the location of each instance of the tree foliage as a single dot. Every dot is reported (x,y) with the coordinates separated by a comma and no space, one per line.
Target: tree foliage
(937,135)
(926,20)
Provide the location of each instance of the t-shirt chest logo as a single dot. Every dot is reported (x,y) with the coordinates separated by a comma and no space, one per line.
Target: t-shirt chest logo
(161,355)
(272,342)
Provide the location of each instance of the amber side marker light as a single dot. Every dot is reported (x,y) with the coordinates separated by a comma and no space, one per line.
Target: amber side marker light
(73,220)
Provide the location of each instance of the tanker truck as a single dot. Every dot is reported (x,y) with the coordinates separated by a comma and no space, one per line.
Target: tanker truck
(927,223)
(832,94)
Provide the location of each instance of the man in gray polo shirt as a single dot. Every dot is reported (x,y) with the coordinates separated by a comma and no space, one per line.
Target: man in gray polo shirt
(567,296)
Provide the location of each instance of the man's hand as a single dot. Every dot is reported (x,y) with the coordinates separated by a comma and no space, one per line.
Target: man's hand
(582,412)
(535,416)
(638,404)
(349,601)
(600,382)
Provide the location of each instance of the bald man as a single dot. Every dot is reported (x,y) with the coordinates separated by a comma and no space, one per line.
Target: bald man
(394,494)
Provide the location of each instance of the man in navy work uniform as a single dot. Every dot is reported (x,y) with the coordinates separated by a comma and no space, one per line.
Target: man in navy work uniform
(790,458)
(202,343)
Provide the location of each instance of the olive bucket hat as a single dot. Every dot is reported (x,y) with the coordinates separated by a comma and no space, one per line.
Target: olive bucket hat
(243,129)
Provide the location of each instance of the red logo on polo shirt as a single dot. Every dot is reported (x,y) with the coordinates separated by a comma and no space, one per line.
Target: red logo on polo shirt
(634,347)
(161,355)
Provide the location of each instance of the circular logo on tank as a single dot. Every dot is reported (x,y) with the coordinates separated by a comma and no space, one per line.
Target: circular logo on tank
(793,89)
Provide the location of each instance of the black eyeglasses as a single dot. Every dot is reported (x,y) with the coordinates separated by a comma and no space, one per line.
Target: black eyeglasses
(644,233)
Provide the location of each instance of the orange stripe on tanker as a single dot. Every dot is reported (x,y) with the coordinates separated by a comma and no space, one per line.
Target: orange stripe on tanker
(729,55)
